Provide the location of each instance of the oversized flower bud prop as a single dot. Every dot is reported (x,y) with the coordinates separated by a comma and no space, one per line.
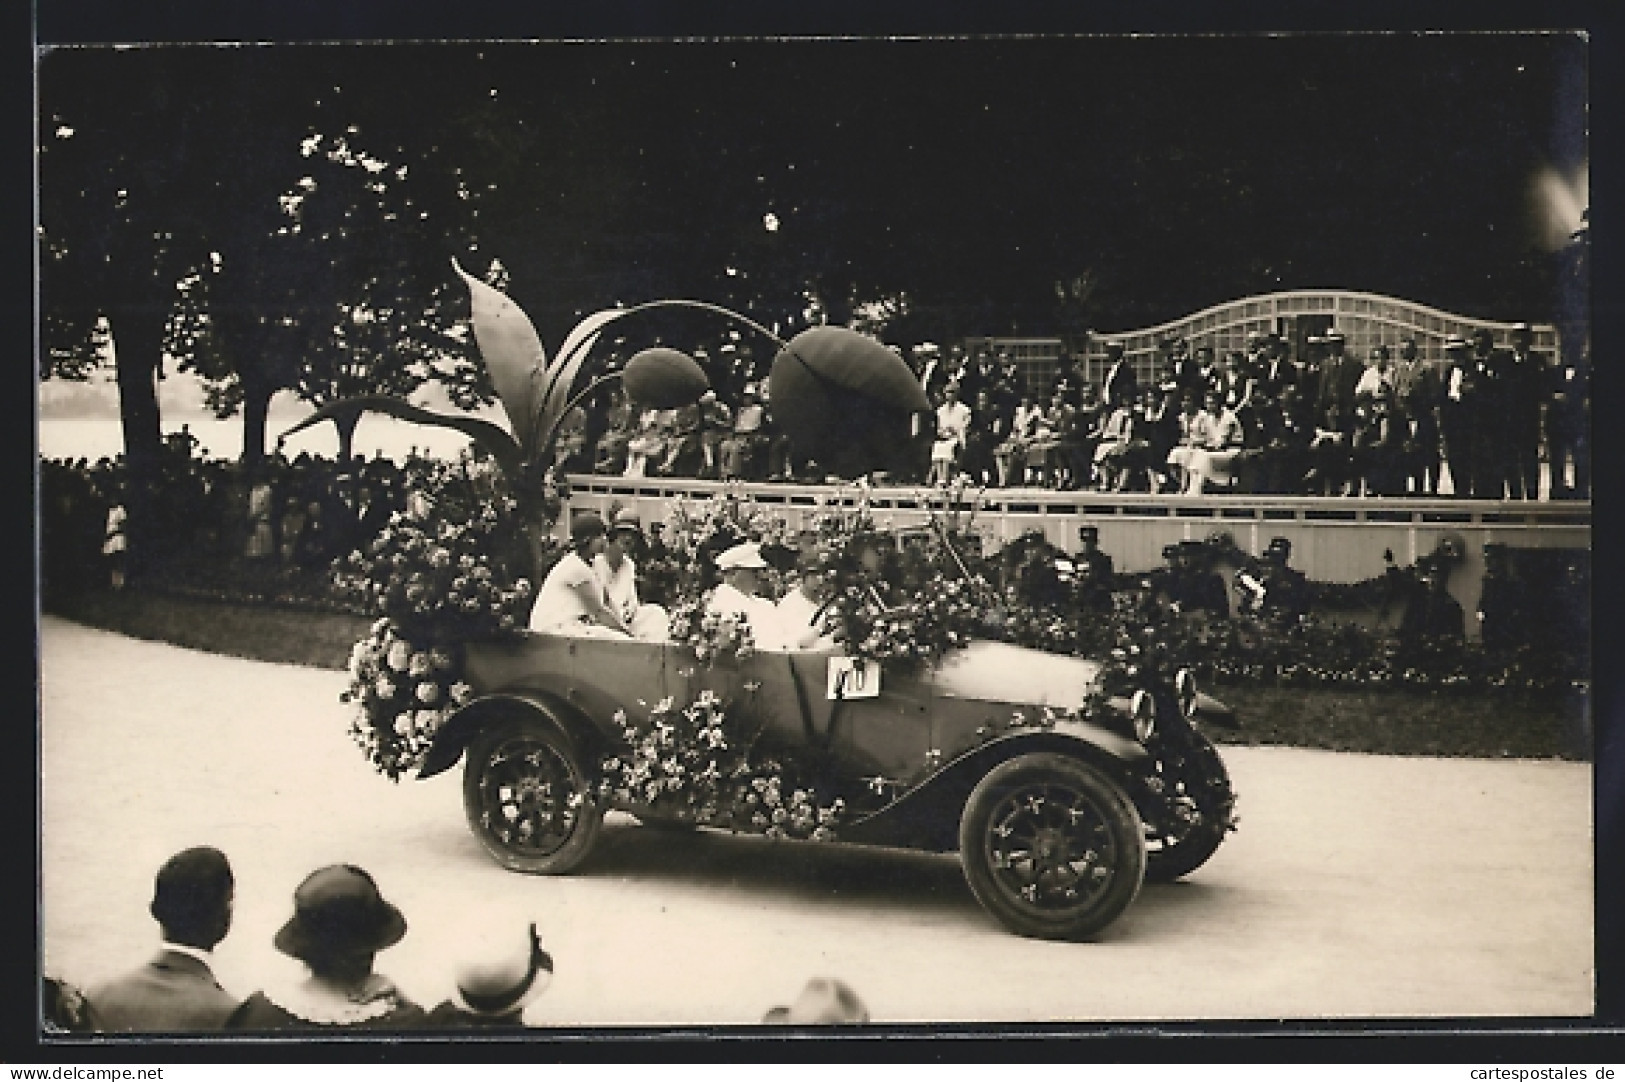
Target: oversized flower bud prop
(535,394)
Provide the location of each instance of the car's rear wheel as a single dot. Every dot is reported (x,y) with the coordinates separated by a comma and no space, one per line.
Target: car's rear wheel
(1052,847)
(528,798)
(1202,778)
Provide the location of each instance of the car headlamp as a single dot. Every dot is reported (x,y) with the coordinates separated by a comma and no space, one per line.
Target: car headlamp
(1185,691)
(1144,712)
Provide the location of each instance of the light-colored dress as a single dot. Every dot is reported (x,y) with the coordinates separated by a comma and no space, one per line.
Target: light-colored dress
(648,622)
(559,609)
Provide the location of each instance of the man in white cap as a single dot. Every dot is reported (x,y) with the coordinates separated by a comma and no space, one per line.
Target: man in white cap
(740,594)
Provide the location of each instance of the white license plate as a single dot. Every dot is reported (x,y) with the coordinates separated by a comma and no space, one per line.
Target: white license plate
(850,678)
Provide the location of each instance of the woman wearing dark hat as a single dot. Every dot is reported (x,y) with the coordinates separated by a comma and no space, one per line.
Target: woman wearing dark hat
(572,599)
(340,922)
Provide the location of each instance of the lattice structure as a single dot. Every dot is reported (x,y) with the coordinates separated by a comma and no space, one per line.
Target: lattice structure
(1366,320)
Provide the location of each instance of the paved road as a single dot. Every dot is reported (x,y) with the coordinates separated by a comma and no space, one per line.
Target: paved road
(1357,885)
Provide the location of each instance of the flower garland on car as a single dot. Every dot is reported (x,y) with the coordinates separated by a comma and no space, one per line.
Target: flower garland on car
(904,600)
(695,764)
(450,569)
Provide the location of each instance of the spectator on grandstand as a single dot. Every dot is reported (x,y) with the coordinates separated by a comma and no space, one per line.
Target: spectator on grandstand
(1159,427)
(1118,386)
(1195,426)
(1376,445)
(1378,375)
(1568,427)
(1087,418)
(648,443)
(1215,457)
(1284,432)
(1459,415)
(716,422)
(1234,384)
(682,449)
(1489,436)
(1120,455)
(619,428)
(570,447)
(743,450)
(1527,390)
(1416,411)
(1010,456)
(1339,375)
(1275,369)
(1331,462)
(953,427)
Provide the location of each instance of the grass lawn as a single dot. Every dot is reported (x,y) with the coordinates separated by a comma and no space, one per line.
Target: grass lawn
(1388,721)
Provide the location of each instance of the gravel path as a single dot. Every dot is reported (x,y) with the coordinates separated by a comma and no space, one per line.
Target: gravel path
(1356,886)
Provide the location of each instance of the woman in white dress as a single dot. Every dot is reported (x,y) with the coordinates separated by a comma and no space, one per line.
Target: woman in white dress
(614,567)
(572,600)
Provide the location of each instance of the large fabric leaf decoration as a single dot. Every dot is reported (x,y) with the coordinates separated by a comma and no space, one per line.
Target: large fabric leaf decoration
(845,400)
(554,400)
(513,354)
(664,378)
(493,437)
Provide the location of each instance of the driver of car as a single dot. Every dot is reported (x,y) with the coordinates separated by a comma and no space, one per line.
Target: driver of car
(801,610)
(740,594)
(572,600)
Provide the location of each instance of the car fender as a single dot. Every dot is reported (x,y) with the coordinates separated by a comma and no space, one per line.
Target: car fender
(461,728)
(930,810)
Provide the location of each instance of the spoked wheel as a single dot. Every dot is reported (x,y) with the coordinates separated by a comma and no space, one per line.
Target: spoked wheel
(1051,847)
(1202,786)
(528,799)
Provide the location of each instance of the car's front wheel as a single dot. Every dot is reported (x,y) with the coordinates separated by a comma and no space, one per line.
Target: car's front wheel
(1201,779)
(528,798)
(1051,846)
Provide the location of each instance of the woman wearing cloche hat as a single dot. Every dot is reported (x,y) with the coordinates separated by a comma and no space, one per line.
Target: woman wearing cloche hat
(340,922)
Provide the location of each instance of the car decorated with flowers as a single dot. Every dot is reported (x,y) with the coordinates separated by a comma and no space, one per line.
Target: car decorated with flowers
(1058,798)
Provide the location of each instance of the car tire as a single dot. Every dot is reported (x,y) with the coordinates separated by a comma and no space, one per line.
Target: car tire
(528,798)
(1168,859)
(1051,846)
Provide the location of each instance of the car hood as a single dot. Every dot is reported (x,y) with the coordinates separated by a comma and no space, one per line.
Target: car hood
(1001,673)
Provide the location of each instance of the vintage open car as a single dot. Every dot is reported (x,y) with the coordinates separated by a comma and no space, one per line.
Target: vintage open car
(1058,815)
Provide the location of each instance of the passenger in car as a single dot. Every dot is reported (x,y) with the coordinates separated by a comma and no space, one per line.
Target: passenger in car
(572,600)
(740,594)
(615,568)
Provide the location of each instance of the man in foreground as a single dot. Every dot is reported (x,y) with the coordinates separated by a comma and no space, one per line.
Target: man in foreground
(176,991)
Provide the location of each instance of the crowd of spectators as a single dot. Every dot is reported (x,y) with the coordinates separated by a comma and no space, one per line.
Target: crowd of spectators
(728,435)
(339,924)
(1264,419)
(284,523)
(1260,420)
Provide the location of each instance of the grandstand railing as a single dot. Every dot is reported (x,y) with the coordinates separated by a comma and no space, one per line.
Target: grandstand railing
(1334,539)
